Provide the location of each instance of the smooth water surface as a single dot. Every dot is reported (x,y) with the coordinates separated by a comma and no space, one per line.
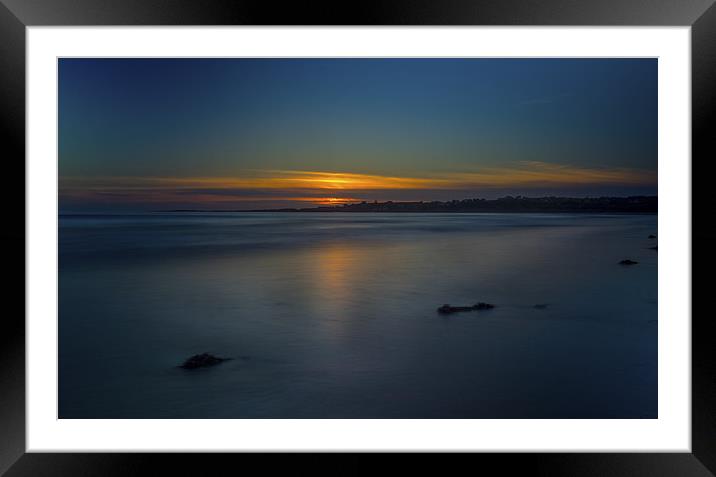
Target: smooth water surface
(334,316)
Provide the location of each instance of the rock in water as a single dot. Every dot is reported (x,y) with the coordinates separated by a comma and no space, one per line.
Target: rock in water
(447,309)
(628,262)
(541,306)
(202,360)
(652,236)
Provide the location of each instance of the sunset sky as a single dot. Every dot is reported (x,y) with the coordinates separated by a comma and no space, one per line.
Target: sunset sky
(156,134)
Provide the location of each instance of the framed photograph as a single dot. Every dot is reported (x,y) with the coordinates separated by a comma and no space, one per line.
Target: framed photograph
(458,228)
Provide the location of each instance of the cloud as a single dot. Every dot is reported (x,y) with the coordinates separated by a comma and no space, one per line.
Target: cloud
(340,187)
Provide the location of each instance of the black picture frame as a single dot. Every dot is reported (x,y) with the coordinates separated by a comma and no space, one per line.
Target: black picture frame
(16,15)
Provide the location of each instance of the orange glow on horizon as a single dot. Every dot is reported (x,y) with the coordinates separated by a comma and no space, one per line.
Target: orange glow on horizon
(523,174)
(331,200)
(338,188)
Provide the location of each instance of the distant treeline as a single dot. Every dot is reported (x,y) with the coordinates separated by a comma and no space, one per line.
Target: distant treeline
(634,204)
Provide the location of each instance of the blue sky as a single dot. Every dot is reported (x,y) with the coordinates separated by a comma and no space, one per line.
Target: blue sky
(147,134)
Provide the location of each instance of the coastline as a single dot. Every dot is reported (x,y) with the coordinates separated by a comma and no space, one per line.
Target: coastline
(519,204)
(339,210)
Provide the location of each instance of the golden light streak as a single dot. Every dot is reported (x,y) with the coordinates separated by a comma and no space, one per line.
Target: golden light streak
(522,174)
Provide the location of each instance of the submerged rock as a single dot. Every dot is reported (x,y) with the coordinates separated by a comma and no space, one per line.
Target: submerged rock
(653,248)
(447,309)
(652,236)
(628,262)
(541,306)
(202,360)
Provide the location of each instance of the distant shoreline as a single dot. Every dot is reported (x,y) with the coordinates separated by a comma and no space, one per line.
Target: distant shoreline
(179,212)
(640,205)
(338,211)
(627,205)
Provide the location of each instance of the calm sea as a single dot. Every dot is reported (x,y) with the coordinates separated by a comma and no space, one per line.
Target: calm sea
(334,316)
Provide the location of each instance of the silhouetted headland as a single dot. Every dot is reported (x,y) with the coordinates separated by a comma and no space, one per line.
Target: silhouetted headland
(519,204)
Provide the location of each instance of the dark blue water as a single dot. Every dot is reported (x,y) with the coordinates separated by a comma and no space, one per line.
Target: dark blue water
(334,316)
